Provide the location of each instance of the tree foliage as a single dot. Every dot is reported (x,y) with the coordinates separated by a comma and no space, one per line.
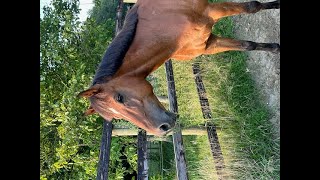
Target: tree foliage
(104,10)
(70,52)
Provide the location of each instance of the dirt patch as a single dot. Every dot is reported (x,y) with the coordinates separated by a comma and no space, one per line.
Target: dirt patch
(263,26)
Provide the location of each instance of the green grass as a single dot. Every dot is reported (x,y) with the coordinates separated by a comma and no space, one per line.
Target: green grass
(243,127)
(200,164)
(249,148)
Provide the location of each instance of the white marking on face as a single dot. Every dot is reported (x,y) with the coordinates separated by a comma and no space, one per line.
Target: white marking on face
(114,111)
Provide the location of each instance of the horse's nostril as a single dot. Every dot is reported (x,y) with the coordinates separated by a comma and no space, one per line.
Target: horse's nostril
(165,127)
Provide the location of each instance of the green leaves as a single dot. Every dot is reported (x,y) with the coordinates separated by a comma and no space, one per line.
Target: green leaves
(122,149)
(64,67)
(70,52)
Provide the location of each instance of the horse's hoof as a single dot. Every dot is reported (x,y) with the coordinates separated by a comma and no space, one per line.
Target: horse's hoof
(276,48)
(276,4)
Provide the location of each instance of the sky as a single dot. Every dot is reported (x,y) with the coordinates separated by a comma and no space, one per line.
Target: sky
(85,5)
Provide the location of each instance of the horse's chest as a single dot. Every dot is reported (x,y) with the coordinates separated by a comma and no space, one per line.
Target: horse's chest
(193,43)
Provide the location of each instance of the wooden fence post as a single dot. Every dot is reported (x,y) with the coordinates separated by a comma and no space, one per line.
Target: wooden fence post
(119,19)
(104,156)
(142,155)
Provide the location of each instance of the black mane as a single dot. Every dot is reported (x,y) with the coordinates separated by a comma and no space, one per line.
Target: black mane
(113,58)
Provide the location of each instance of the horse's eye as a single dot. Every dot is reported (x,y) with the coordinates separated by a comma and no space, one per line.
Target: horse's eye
(120,98)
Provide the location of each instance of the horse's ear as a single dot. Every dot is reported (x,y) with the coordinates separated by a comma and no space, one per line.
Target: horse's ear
(89,111)
(89,92)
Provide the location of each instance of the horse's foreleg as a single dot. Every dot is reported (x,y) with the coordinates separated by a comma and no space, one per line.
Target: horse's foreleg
(219,44)
(220,10)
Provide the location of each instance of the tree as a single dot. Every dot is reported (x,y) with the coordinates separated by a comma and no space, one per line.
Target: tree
(69,55)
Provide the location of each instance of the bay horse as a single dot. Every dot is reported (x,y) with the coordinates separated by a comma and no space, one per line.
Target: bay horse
(153,32)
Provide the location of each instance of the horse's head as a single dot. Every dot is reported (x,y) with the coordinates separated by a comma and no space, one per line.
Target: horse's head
(132,99)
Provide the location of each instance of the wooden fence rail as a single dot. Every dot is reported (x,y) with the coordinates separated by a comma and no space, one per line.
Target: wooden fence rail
(177,136)
(211,128)
(197,131)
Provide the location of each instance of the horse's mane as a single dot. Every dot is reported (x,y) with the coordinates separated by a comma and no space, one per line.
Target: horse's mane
(113,58)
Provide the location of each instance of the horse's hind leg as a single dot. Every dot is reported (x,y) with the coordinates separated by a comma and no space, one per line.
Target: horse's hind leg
(217,44)
(223,9)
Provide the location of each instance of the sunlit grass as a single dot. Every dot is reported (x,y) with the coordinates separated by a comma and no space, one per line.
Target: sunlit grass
(242,121)
(199,159)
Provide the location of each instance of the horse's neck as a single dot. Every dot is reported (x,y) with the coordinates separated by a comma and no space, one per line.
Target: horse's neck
(146,53)
(142,65)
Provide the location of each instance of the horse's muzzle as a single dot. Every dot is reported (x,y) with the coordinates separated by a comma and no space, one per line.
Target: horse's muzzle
(169,123)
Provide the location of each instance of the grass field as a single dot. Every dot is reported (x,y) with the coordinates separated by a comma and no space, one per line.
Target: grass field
(248,146)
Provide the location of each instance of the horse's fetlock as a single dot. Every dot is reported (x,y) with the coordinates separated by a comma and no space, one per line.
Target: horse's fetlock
(249,45)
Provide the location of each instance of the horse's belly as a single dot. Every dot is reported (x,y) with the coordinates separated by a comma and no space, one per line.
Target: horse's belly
(188,54)
(183,57)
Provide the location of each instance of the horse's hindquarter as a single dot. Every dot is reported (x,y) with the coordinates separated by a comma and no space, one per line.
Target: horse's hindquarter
(174,27)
